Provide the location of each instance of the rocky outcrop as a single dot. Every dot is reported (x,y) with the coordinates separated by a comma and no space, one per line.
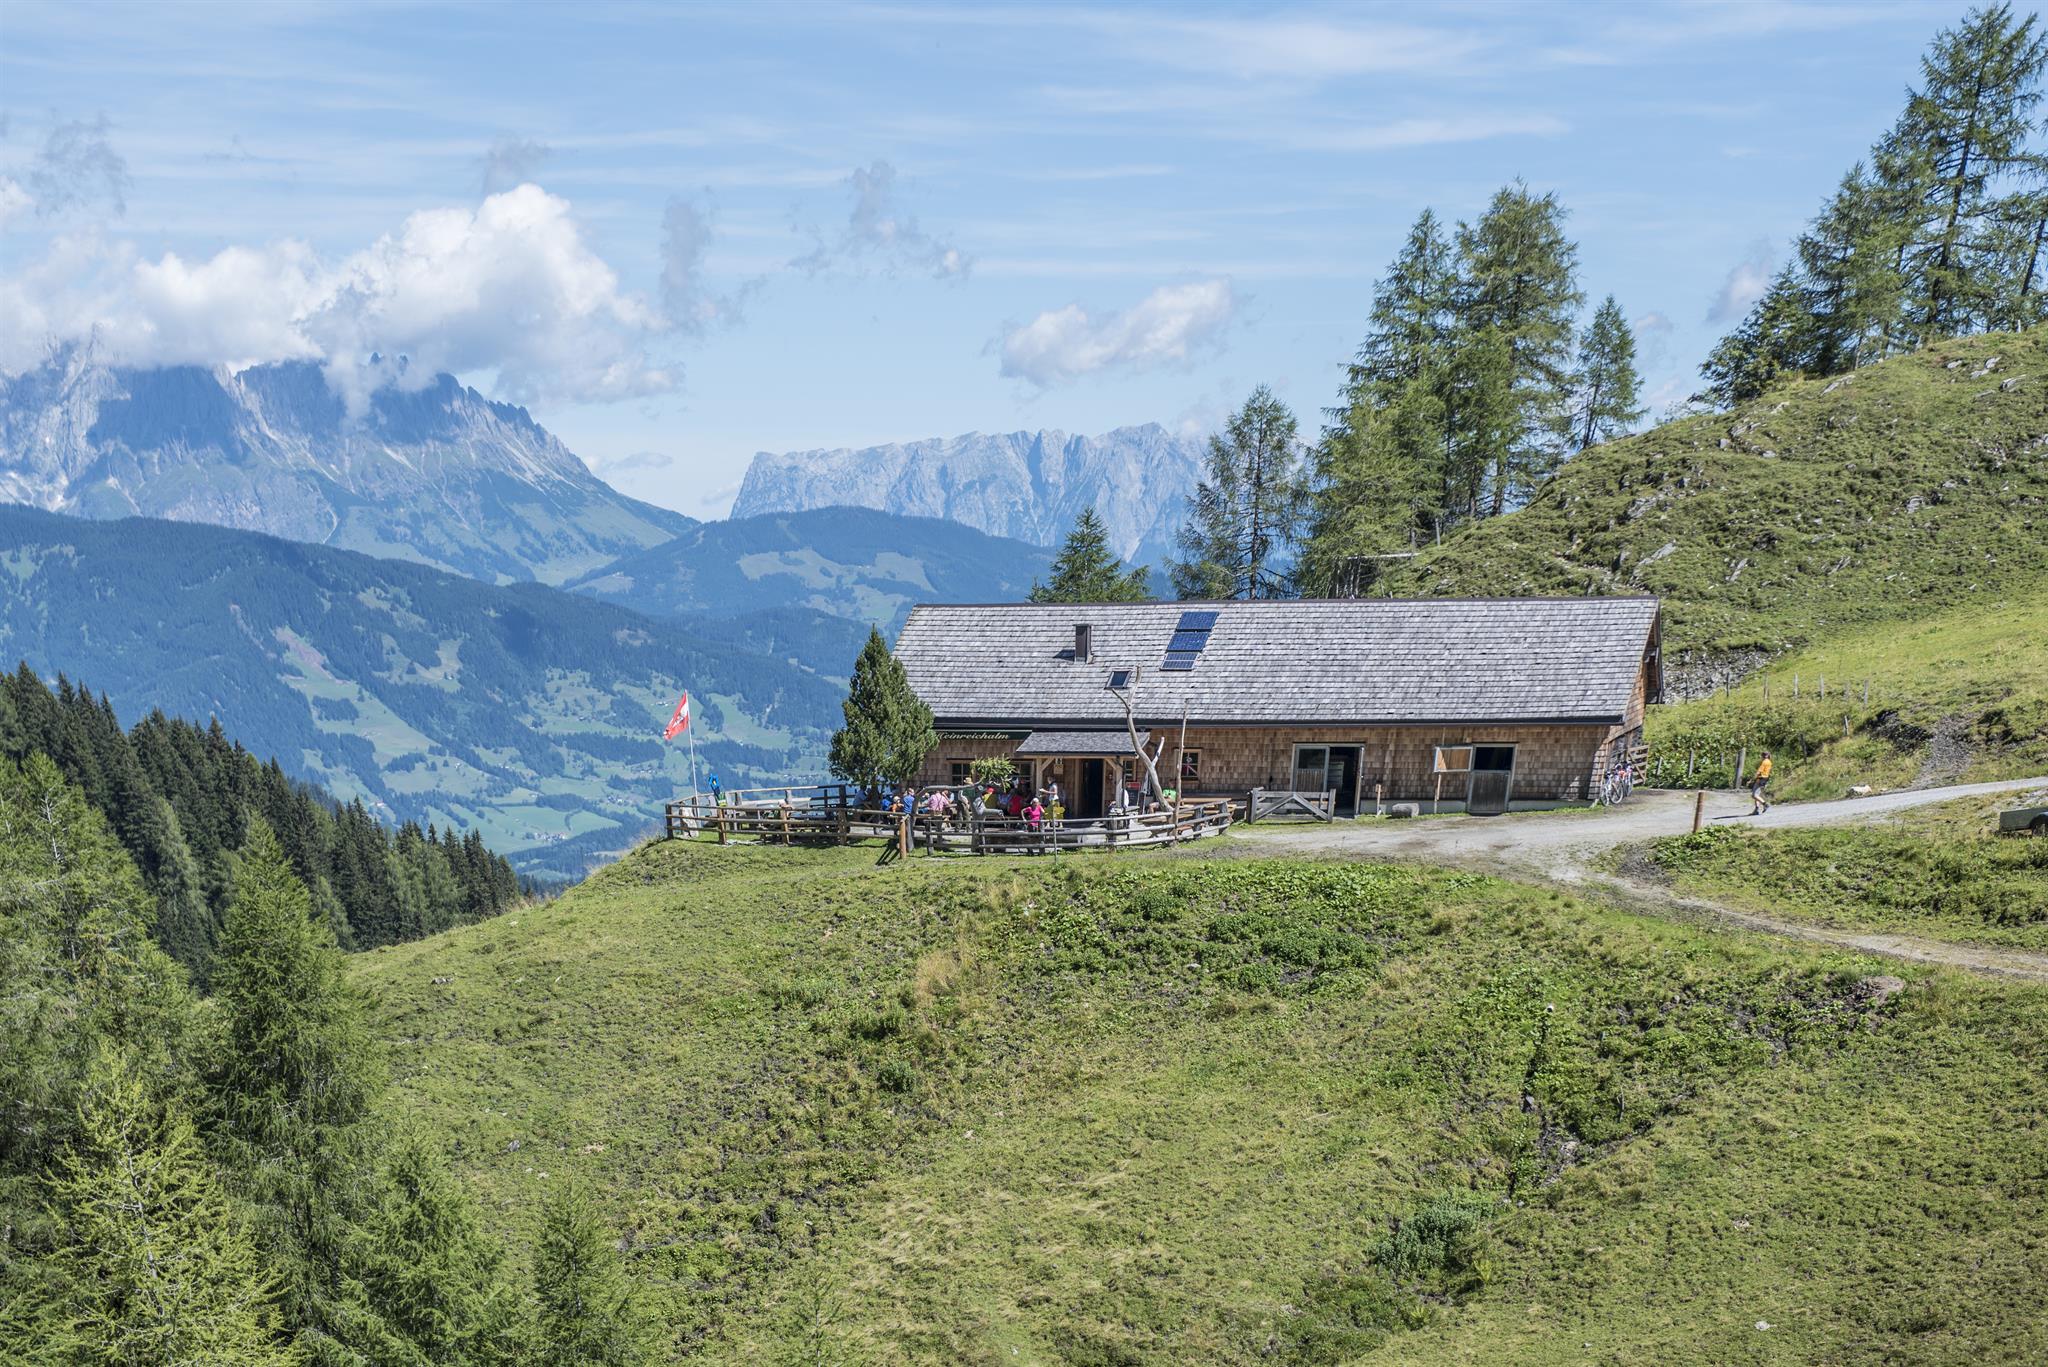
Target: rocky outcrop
(1027,485)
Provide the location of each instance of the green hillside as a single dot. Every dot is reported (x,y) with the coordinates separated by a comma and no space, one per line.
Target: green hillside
(1899,490)
(1130,1110)
(527,714)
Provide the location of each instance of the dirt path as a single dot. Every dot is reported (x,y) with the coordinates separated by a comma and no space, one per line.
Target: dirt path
(1564,847)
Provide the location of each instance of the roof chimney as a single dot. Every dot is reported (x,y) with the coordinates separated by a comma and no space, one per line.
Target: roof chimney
(1081,634)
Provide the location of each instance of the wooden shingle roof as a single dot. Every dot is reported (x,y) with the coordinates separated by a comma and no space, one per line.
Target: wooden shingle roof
(1308,661)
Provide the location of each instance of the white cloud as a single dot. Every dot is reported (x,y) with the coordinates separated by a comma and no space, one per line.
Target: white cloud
(1166,327)
(509,286)
(1652,324)
(1747,280)
(1431,132)
(638,460)
(877,229)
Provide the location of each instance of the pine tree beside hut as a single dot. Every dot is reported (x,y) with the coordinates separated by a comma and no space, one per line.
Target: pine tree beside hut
(1086,571)
(888,731)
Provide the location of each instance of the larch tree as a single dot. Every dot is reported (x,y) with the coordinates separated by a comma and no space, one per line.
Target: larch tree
(1606,388)
(1380,485)
(156,1266)
(888,729)
(1249,508)
(1973,111)
(1518,279)
(1087,571)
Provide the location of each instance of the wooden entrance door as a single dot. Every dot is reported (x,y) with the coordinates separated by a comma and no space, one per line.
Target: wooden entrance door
(1493,779)
(1342,776)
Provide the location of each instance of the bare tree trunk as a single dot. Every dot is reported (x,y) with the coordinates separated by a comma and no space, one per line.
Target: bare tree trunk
(1151,761)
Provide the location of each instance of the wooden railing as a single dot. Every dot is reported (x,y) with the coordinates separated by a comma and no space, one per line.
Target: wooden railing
(829,814)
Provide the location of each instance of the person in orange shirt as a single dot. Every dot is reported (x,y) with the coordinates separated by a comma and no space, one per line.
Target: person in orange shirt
(1758,783)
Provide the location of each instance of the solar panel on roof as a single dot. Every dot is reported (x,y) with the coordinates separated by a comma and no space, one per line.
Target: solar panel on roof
(1197,621)
(1188,640)
(1181,660)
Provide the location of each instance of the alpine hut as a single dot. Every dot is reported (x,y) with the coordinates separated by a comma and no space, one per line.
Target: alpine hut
(1470,703)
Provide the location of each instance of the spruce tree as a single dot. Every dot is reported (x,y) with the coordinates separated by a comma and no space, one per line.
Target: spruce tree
(1518,279)
(1380,483)
(1773,340)
(1483,420)
(292,1079)
(157,1266)
(587,1313)
(430,1269)
(1086,571)
(888,730)
(1606,389)
(1249,508)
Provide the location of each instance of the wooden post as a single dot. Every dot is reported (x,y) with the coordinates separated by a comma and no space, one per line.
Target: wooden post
(839,826)
(721,823)
(1741,766)
(1699,809)
(903,834)
(785,817)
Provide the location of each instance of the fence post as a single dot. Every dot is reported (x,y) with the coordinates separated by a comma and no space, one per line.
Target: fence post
(903,835)
(1699,807)
(721,823)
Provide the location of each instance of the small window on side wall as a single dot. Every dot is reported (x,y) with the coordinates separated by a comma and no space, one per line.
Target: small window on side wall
(959,770)
(1453,759)
(1190,769)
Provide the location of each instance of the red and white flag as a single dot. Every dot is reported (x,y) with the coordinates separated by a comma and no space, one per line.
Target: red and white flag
(680,722)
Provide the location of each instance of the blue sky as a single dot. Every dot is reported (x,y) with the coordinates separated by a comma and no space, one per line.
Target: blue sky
(684,235)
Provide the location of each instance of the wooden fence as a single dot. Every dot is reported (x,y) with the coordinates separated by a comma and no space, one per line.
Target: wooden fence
(1271,802)
(830,814)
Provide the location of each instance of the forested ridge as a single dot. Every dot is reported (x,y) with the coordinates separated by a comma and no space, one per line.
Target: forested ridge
(223,1181)
(181,799)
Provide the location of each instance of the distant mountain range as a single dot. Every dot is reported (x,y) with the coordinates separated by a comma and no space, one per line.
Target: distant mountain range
(1026,485)
(395,647)
(849,562)
(439,474)
(527,713)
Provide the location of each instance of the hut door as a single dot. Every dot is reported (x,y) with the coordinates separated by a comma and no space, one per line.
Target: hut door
(1086,799)
(1493,779)
(1343,776)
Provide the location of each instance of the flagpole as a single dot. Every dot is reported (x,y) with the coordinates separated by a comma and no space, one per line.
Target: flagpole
(693,756)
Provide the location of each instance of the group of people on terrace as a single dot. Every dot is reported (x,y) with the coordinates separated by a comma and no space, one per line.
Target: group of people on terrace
(963,804)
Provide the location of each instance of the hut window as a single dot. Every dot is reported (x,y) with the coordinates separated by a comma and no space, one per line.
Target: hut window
(1119,678)
(1190,768)
(960,770)
(1453,759)
(1311,766)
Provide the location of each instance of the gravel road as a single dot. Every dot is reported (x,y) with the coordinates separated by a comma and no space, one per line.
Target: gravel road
(1563,847)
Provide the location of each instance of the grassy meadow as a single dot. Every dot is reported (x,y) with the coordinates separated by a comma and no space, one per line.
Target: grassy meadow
(1130,1110)
(1960,695)
(1940,872)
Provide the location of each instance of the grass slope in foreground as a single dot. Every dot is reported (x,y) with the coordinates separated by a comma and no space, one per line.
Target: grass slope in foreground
(1120,1111)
